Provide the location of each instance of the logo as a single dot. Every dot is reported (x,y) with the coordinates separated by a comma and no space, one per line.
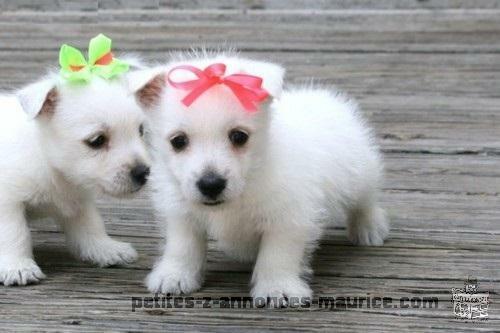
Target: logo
(469,303)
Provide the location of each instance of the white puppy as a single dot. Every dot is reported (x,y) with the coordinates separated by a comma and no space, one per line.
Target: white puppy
(262,184)
(71,142)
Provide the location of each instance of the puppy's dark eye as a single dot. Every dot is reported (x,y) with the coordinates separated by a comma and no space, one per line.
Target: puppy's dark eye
(97,142)
(141,130)
(179,142)
(238,137)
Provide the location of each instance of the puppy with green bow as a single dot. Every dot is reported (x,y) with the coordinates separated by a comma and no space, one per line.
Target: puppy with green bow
(63,140)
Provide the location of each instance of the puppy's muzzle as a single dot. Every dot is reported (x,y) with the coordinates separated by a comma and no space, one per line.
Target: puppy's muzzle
(140,174)
(211,185)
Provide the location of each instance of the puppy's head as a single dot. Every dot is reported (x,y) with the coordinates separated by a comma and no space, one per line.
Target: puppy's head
(211,147)
(92,134)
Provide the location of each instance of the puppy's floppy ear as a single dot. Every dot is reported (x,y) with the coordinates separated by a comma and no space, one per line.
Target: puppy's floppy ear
(148,86)
(39,98)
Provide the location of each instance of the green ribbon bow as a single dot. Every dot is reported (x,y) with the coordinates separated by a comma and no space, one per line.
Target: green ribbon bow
(75,68)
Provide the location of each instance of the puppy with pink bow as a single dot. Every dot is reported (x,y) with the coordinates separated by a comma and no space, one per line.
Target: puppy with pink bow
(259,169)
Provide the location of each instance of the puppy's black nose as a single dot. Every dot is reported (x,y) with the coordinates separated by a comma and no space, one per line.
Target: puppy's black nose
(140,174)
(211,185)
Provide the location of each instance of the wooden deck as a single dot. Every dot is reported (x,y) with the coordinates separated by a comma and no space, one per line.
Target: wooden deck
(427,74)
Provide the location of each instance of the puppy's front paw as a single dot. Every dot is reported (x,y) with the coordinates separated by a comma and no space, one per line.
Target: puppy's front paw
(282,292)
(106,252)
(369,229)
(172,279)
(19,271)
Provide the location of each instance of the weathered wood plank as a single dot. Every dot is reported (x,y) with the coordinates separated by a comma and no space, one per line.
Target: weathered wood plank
(48,5)
(458,174)
(79,5)
(327,4)
(128,4)
(339,31)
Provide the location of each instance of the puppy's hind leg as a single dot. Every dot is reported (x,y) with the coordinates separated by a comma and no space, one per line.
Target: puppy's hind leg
(17,266)
(88,240)
(367,224)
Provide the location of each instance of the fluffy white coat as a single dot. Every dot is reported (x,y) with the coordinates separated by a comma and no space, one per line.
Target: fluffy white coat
(48,169)
(310,160)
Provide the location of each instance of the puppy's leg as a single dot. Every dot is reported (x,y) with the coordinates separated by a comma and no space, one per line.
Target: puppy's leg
(367,224)
(282,262)
(180,270)
(17,266)
(87,239)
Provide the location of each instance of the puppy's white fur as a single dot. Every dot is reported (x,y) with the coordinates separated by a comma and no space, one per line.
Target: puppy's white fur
(310,160)
(48,170)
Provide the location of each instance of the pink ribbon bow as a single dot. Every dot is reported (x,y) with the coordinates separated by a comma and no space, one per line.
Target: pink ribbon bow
(247,88)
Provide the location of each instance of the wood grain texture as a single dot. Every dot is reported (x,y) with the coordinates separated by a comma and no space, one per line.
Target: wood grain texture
(308,31)
(426,75)
(94,5)
(328,4)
